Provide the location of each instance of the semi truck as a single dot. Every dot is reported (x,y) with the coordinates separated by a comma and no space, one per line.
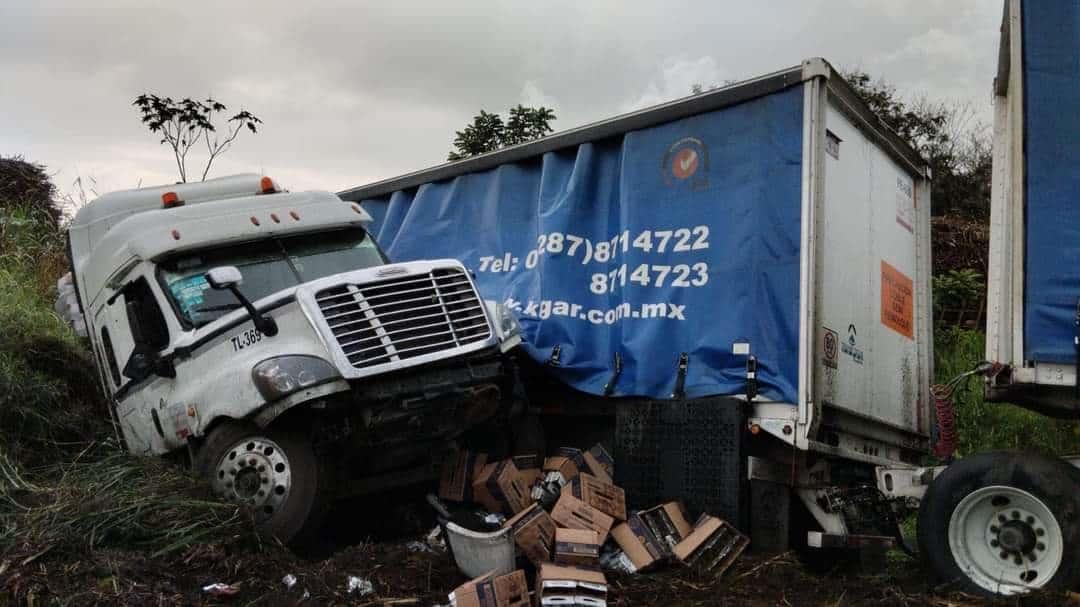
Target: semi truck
(264,336)
(734,289)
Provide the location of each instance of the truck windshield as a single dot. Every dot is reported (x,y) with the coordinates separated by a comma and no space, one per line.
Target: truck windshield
(268,266)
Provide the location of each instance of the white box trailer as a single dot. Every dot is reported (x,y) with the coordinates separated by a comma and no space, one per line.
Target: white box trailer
(843,364)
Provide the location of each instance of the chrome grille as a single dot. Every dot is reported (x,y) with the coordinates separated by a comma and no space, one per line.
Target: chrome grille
(405,317)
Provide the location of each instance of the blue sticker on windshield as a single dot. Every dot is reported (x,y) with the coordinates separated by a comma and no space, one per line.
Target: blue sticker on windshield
(189,292)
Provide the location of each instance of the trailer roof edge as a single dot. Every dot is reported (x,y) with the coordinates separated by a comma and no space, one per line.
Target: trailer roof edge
(684,107)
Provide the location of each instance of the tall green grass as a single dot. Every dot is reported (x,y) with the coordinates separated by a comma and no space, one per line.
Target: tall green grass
(66,486)
(48,394)
(986,426)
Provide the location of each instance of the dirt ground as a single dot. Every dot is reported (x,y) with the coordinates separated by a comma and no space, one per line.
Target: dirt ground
(371,540)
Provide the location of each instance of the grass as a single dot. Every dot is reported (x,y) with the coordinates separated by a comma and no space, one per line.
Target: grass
(988,426)
(66,486)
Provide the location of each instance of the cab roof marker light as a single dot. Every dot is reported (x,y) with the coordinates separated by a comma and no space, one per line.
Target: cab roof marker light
(267,186)
(170,200)
(294,215)
(356,209)
(255,221)
(176,235)
(275,218)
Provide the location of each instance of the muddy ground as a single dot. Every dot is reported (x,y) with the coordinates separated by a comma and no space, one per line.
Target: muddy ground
(371,540)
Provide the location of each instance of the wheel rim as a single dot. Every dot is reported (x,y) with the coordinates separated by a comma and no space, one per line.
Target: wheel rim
(254,471)
(1005,540)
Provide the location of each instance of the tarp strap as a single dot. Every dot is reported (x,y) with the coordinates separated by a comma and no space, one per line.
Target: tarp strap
(751,378)
(1076,346)
(553,360)
(680,376)
(609,387)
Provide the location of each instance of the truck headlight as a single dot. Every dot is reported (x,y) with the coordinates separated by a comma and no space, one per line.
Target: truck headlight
(283,375)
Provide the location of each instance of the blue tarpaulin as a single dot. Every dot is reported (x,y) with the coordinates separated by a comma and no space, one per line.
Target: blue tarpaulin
(1052,148)
(625,253)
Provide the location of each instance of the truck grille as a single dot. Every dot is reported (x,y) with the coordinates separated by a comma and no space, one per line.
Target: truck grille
(401,318)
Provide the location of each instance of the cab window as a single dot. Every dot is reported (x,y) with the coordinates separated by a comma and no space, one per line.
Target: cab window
(147,323)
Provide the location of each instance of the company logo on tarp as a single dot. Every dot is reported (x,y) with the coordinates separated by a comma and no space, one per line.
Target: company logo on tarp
(686,160)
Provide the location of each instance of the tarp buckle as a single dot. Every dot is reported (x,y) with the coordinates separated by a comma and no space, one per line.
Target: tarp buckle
(751,378)
(553,360)
(680,377)
(609,387)
(742,348)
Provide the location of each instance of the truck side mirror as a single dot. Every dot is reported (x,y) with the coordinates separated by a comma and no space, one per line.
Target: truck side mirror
(229,278)
(224,277)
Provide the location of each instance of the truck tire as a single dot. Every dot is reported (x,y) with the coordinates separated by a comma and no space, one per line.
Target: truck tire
(274,472)
(1003,523)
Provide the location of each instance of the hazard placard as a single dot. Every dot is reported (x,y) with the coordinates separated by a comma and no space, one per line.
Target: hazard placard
(897,301)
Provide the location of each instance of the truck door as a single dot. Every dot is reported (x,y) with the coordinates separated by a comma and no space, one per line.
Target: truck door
(135,327)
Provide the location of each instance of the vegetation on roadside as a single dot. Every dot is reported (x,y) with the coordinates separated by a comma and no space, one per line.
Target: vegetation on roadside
(987,426)
(66,486)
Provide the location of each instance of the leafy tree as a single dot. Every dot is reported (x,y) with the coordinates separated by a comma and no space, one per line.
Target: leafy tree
(948,136)
(488,132)
(186,123)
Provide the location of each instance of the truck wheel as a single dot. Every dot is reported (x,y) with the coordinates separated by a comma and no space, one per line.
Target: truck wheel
(275,473)
(1003,523)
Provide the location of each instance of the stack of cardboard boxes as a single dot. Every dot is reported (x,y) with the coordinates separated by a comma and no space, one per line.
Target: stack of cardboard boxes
(562,511)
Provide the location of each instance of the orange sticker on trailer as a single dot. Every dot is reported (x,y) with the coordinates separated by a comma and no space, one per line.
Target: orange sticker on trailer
(897,301)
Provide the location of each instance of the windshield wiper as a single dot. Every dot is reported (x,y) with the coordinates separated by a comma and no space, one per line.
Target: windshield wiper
(221,308)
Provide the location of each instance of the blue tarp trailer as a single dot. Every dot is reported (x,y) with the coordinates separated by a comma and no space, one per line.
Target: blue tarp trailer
(1033,316)
(652,254)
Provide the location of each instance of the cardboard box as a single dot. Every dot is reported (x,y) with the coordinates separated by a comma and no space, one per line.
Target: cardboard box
(490,590)
(572,513)
(713,545)
(573,454)
(599,454)
(597,469)
(605,497)
(565,467)
(534,534)
(498,488)
(529,466)
(641,548)
(577,548)
(668,523)
(562,585)
(455,482)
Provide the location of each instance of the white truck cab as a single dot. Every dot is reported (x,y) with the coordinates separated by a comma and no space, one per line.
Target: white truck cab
(265,333)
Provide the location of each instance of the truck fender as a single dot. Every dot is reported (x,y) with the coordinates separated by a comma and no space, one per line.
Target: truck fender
(271,411)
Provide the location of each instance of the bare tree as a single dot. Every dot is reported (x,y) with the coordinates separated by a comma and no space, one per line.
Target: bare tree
(185,123)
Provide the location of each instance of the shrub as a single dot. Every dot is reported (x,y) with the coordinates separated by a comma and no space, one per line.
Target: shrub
(985,426)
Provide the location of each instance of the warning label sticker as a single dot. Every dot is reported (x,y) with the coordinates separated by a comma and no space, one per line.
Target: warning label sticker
(897,301)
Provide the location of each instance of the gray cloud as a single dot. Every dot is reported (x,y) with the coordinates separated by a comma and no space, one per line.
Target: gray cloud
(356,91)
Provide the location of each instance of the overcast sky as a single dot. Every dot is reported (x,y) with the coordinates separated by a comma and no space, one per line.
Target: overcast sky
(352,92)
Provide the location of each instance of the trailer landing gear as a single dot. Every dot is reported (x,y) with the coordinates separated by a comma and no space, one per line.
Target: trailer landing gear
(1003,523)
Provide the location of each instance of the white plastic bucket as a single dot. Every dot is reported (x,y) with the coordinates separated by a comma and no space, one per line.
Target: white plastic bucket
(478,553)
